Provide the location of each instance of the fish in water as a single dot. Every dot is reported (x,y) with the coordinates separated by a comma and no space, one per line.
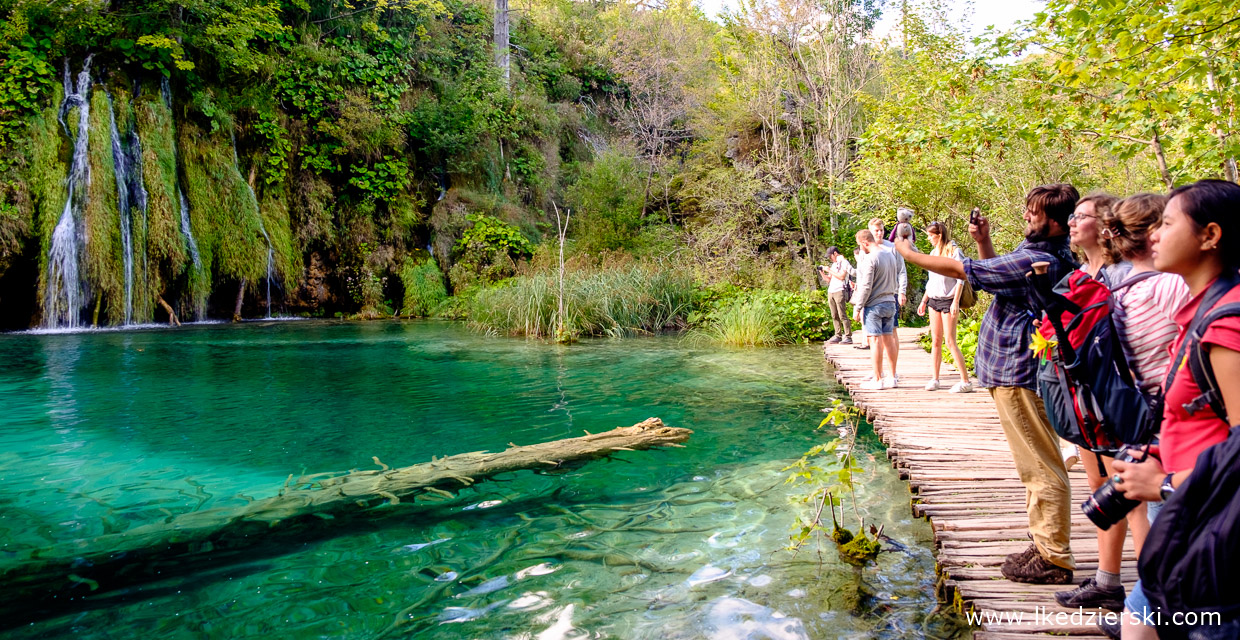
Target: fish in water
(706,574)
(410,548)
(494,584)
(465,614)
(562,626)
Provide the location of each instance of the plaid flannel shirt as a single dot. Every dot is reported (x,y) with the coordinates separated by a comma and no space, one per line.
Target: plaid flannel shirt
(1003,358)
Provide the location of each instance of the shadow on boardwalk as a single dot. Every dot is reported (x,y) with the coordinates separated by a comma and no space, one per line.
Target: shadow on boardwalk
(951,450)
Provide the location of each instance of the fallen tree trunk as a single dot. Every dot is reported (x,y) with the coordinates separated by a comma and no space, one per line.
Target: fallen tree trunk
(107,562)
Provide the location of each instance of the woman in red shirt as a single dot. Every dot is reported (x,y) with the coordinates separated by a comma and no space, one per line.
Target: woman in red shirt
(1200,240)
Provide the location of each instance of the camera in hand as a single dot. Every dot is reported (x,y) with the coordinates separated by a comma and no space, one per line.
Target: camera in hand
(1108,505)
(975,216)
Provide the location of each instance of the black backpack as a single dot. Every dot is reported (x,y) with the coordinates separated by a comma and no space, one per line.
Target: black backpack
(1193,548)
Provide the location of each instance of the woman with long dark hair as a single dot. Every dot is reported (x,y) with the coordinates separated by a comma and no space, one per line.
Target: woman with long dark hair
(942,298)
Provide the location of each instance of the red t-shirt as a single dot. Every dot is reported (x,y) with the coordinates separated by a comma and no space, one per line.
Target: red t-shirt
(1184,436)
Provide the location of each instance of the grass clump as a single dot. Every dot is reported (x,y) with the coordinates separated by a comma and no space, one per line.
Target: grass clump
(425,292)
(744,323)
(639,298)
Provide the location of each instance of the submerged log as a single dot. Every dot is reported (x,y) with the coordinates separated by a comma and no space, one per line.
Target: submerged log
(172,315)
(75,569)
(240,298)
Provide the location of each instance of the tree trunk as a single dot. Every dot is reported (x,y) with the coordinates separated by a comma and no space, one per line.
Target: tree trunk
(240,298)
(1161,156)
(1224,129)
(34,578)
(501,40)
(172,315)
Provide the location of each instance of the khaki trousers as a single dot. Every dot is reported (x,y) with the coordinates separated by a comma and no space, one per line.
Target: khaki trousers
(839,314)
(1035,450)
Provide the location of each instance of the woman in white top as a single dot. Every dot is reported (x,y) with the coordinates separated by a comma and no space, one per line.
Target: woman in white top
(943,299)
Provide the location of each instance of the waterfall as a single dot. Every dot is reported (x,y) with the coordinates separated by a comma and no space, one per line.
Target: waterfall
(271,254)
(138,199)
(120,164)
(62,300)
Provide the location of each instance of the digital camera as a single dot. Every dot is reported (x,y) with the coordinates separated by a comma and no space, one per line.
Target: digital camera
(1108,505)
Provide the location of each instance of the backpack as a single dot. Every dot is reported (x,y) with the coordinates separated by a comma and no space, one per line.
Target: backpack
(1193,550)
(1084,379)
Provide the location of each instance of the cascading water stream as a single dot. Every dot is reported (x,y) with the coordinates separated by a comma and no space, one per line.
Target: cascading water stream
(271,254)
(121,167)
(62,301)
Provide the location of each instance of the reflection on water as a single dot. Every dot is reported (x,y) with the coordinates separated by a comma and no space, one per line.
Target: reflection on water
(105,431)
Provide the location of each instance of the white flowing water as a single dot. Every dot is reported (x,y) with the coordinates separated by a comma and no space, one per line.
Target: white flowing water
(62,298)
(121,168)
(271,254)
(138,196)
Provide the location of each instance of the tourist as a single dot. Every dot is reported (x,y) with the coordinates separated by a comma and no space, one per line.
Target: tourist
(874,304)
(876,229)
(858,257)
(942,298)
(1004,365)
(1113,233)
(1199,240)
(837,274)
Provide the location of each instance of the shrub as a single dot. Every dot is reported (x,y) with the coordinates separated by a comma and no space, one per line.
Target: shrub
(425,292)
(799,316)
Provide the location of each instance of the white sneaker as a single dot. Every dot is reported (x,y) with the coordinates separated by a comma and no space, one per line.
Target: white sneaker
(933,385)
(961,387)
(1071,456)
(890,382)
(872,385)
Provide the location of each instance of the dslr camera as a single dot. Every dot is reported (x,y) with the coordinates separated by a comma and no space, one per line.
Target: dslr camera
(1108,505)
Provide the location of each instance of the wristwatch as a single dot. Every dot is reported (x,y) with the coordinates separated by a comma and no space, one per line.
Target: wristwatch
(1167,488)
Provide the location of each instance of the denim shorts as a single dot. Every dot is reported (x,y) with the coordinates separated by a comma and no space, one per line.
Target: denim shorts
(1136,601)
(879,319)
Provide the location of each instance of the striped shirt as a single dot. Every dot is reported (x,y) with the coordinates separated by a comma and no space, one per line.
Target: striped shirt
(1145,317)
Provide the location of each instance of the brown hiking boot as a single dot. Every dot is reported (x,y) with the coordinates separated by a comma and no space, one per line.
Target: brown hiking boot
(1037,570)
(1020,557)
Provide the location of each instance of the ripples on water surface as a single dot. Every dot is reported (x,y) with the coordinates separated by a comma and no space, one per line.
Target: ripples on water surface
(103,431)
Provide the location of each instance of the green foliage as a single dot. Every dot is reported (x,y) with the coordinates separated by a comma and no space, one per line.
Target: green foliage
(793,316)
(642,298)
(382,180)
(827,471)
(607,199)
(26,78)
(276,142)
(425,292)
(488,251)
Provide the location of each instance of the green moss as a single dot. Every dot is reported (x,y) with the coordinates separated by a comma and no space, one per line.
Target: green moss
(425,292)
(45,177)
(158,231)
(223,213)
(102,266)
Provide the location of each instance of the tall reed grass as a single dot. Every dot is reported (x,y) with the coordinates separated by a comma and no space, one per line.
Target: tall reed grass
(425,292)
(743,323)
(639,298)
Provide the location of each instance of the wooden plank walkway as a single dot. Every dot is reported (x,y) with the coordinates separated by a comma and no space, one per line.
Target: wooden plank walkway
(951,449)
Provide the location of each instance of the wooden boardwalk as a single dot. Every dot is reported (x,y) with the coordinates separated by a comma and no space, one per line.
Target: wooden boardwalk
(951,449)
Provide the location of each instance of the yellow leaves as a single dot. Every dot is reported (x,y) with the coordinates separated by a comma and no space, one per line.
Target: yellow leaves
(171,46)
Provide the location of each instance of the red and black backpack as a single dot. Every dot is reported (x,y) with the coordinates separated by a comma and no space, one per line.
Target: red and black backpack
(1084,379)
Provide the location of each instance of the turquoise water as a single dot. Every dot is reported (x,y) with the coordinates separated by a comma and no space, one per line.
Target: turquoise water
(107,430)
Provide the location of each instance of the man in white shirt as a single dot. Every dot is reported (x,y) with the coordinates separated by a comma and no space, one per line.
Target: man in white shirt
(837,275)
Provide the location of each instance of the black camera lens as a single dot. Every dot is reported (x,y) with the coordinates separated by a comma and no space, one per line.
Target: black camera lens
(1108,506)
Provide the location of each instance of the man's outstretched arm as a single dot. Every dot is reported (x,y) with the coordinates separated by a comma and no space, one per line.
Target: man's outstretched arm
(941,265)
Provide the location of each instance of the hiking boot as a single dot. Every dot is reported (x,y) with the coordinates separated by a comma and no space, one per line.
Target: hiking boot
(1091,596)
(834,340)
(1037,570)
(1020,557)
(1109,627)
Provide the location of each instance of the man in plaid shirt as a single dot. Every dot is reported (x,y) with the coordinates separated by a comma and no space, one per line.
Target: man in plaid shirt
(1005,364)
